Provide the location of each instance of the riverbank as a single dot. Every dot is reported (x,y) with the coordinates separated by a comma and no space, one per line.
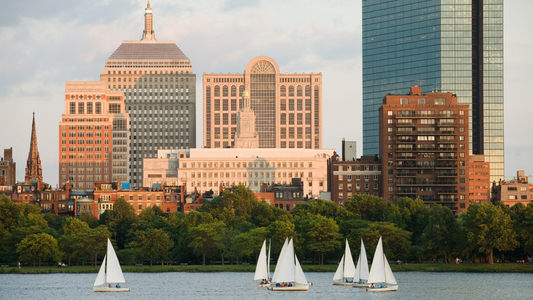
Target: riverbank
(467,267)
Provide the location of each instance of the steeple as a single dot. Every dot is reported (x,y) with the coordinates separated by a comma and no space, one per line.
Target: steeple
(34,171)
(246,136)
(148,33)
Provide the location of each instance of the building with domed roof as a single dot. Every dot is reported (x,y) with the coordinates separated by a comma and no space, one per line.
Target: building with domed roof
(287,107)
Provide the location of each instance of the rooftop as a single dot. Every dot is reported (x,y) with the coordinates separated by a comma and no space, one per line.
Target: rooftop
(137,50)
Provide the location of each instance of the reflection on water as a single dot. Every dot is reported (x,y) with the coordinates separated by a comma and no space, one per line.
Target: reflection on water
(412,285)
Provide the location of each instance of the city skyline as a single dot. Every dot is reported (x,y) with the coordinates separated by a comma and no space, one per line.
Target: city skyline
(46,46)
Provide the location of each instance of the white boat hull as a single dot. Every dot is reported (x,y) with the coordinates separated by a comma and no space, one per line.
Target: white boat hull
(290,288)
(264,285)
(341,283)
(360,285)
(111,290)
(385,289)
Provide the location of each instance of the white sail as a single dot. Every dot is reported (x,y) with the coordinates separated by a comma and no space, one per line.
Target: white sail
(356,277)
(260,269)
(268,260)
(114,272)
(363,268)
(349,267)
(377,271)
(389,277)
(286,272)
(339,273)
(100,279)
(280,260)
(299,276)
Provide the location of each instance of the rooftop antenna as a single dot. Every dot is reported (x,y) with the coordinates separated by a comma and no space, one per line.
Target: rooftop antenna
(419,81)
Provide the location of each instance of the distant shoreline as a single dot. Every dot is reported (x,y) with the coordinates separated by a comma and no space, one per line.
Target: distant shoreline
(437,267)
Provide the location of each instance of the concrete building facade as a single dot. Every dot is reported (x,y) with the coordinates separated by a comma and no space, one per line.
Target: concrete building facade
(287,107)
(157,80)
(514,191)
(93,135)
(424,148)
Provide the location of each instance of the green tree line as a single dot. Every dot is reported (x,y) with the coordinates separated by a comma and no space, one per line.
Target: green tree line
(231,228)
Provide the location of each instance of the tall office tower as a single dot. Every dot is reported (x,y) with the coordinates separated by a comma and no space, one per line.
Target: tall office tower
(440,45)
(160,92)
(423,145)
(34,171)
(93,135)
(287,107)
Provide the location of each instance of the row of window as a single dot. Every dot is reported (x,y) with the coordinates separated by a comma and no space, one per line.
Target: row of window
(247,164)
(247,174)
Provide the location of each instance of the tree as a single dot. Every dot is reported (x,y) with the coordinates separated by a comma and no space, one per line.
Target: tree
(440,234)
(279,231)
(249,243)
(42,246)
(152,243)
(323,208)
(205,238)
(368,207)
(395,240)
(264,214)
(489,228)
(68,247)
(88,218)
(324,236)
(93,240)
(120,221)
(73,226)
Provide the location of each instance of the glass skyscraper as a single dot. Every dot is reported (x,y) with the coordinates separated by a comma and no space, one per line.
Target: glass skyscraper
(441,45)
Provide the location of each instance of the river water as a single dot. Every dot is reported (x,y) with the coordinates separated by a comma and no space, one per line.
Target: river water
(228,285)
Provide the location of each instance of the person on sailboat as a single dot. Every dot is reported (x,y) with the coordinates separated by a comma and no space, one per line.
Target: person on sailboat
(372,286)
(118,286)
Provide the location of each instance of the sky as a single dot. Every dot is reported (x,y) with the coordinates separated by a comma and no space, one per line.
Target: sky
(46,43)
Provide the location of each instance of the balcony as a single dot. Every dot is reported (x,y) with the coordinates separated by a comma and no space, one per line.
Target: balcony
(426,149)
(447,174)
(446,124)
(405,157)
(405,124)
(447,157)
(446,149)
(446,166)
(405,141)
(406,191)
(440,141)
(446,183)
(413,166)
(446,132)
(447,191)
(406,174)
(405,149)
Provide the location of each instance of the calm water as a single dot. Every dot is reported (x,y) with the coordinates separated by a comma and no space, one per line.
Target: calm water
(412,285)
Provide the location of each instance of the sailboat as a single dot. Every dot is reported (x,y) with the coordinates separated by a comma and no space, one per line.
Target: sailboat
(346,270)
(361,270)
(381,273)
(288,275)
(105,280)
(261,269)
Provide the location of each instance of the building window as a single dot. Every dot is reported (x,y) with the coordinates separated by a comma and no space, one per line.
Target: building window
(421,100)
(404,101)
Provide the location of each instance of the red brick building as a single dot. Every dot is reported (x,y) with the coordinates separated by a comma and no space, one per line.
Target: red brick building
(424,148)
(361,176)
(479,179)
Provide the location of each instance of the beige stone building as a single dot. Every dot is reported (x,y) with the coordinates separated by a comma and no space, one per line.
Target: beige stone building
(207,169)
(288,107)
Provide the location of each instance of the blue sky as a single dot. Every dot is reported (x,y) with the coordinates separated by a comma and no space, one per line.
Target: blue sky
(46,43)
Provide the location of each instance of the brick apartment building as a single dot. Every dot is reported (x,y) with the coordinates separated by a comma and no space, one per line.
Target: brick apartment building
(424,148)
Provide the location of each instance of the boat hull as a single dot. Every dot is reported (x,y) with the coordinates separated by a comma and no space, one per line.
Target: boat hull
(290,288)
(386,289)
(264,285)
(361,285)
(110,290)
(341,283)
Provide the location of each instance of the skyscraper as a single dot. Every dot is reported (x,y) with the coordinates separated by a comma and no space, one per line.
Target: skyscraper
(160,94)
(442,45)
(287,107)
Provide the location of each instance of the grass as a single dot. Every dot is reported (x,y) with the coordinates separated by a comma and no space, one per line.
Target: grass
(439,267)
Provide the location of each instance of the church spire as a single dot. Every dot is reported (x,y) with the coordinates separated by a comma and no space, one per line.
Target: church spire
(34,171)
(148,33)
